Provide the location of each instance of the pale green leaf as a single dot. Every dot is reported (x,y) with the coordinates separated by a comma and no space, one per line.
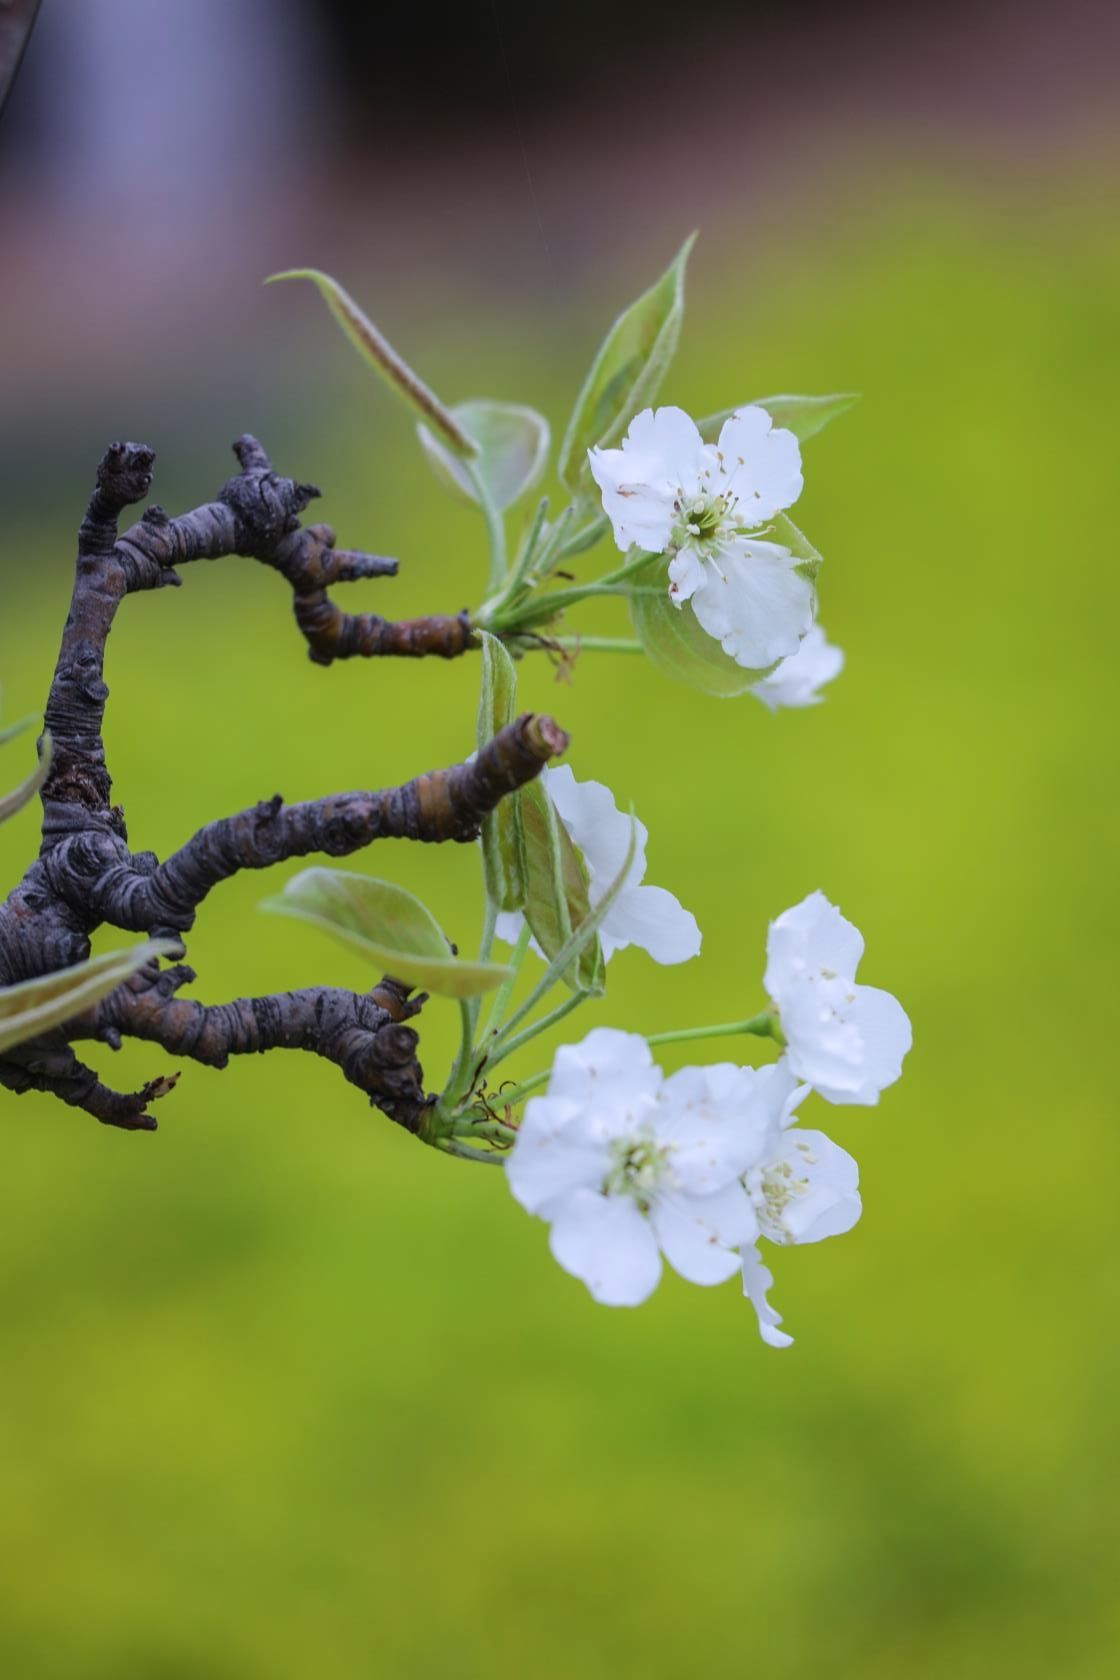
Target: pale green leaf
(374,348)
(675,639)
(803,416)
(23,795)
(627,373)
(557,901)
(389,926)
(677,642)
(14,729)
(503,836)
(513,448)
(33,1006)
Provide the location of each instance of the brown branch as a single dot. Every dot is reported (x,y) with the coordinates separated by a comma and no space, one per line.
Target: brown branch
(87,875)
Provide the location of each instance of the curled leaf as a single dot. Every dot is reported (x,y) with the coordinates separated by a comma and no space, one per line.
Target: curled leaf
(513,448)
(374,348)
(389,926)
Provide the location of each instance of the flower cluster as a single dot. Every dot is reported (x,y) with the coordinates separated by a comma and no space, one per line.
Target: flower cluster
(628,1164)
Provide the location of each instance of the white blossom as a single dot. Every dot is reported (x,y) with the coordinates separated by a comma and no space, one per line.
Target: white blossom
(846,1040)
(647,916)
(797,680)
(704,506)
(627,1165)
(803,1188)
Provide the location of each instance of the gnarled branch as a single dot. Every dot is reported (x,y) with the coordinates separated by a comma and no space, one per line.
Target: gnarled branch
(87,875)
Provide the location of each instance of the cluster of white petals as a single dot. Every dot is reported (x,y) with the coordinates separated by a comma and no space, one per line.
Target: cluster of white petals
(667,491)
(646,916)
(628,1164)
(798,680)
(845,1040)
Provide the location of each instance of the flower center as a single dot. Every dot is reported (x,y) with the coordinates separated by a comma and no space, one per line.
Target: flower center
(638,1166)
(774,1187)
(706,521)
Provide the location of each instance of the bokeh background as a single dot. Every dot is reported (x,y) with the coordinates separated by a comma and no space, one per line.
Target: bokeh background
(285,1394)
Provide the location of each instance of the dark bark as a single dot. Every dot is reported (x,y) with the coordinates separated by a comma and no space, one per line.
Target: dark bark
(87,875)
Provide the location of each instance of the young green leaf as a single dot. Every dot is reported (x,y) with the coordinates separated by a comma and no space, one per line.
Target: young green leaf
(374,348)
(15,801)
(503,836)
(397,933)
(679,645)
(626,375)
(33,1006)
(556,899)
(803,416)
(675,639)
(513,448)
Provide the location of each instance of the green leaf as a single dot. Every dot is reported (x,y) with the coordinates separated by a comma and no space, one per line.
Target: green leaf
(375,349)
(557,899)
(803,416)
(33,1006)
(25,793)
(503,834)
(389,926)
(677,642)
(679,645)
(513,448)
(781,529)
(626,375)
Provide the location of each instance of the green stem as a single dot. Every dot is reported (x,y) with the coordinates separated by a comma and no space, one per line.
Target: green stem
(452,1146)
(495,528)
(506,1046)
(489,924)
(584,644)
(628,568)
(459,1081)
(762,1026)
(505,990)
(520,1092)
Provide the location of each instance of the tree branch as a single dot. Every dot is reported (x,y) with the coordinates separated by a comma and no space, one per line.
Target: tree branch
(87,875)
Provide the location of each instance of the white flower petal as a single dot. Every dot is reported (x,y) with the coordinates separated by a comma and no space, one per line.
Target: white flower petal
(797,679)
(717,1121)
(610,1245)
(823,1182)
(610,1077)
(669,436)
(556,1151)
(686,575)
(600,830)
(757,1279)
(695,1233)
(638,499)
(813,934)
(762,465)
(885,1037)
(755,602)
(652,918)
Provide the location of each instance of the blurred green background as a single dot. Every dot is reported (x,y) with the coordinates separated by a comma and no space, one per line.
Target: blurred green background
(287,1394)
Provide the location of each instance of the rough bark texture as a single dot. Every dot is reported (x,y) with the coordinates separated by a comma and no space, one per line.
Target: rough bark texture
(87,875)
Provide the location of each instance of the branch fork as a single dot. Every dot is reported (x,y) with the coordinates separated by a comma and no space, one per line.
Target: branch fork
(88,876)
